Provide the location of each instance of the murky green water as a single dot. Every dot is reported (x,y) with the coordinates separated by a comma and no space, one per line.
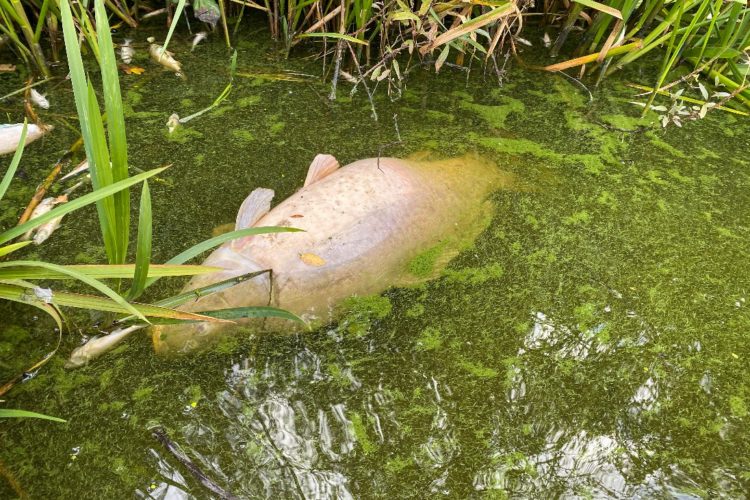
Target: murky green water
(593,342)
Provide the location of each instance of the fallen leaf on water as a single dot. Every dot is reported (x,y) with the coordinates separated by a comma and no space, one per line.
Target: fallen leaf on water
(7,68)
(132,70)
(312,260)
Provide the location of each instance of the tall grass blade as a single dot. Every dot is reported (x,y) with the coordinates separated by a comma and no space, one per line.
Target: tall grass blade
(21,294)
(143,250)
(13,247)
(92,282)
(8,413)
(210,243)
(115,126)
(76,204)
(175,20)
(249,312)
(106,271)
(8,177)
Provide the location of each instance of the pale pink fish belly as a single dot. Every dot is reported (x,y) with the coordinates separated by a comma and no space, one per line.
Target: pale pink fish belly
(363,224)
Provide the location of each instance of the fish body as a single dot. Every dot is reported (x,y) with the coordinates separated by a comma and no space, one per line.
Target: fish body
(38,99)
(173,122)
(164,57)
(42,208)
(198,39)
(98,346)
(82,167)
(45,230)
(127,51)
(10,135)
(363,224)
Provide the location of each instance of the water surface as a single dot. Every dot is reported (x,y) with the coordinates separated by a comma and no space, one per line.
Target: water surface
(593,341)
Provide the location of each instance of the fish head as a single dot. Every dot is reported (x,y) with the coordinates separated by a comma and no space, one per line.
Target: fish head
(252,288)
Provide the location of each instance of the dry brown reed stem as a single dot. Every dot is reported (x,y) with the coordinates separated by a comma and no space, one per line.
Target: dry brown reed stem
(41,191)
(324,20)
(222,9)
(578,61)
(13,482)
(251,4)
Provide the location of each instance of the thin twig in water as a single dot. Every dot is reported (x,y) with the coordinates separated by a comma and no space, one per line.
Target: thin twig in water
(42,189)
(161,435)
(364,82)
(394,143)
(591,97)
(283,461)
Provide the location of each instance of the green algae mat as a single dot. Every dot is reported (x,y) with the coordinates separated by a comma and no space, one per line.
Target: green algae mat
(592,342)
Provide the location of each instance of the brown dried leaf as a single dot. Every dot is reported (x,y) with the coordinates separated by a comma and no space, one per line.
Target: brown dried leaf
(312,260)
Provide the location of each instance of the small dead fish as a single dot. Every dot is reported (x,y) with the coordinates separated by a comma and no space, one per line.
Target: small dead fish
(546,40)
(126,51)
(10,135)
(44,206)
(45,230)
(155,13)
(82,167)
(44,294)
(164,57)
(348,77)
(98,346)
(198,39)
(524,41)
(38,99)
(173,122)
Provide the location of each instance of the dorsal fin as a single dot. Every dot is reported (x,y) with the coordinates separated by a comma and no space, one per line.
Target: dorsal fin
(321,166)
(255,206)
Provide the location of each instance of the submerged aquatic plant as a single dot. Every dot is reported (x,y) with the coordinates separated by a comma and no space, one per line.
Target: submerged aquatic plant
(107,157)
(367,41)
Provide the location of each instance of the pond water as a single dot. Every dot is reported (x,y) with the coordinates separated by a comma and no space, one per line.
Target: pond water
(592,342)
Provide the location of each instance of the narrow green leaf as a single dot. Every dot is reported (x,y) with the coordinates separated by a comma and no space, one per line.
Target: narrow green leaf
(105,271)
(77,203)
(8,413)
(601,7)
(13,247)
(210,243)
(101,176)
(77,74)
(182,298)
(29,298)
(175,19)
(115,125)
(18,293)
(243,313)
(94,283)
(338,36)
(253,312)
(178,300)
(8,177)
(713,52)
(143,250)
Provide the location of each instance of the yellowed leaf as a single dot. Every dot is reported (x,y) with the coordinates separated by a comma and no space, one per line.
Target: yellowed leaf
(312,260)
(132,70)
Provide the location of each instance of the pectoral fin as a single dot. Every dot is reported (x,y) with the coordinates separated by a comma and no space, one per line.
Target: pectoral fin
(255,206)
(321,166)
